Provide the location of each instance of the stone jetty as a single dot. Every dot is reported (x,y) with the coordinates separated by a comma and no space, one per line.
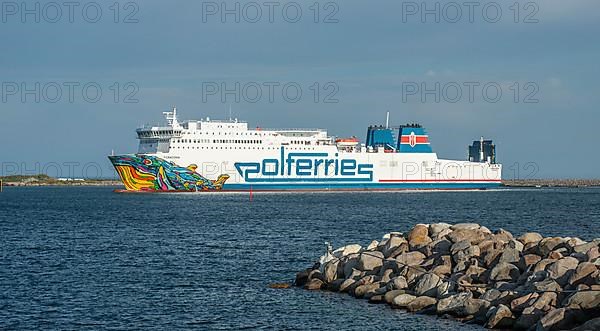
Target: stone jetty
(472,274)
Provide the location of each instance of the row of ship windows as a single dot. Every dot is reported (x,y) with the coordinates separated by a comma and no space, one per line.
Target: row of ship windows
(157,134)
(218,141)
(230,133)
(297,148)
(161,133)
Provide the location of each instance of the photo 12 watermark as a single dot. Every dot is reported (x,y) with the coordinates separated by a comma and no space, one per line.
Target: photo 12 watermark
(28,12)
(521,170)
(471,92)
(271,92)
(470,12)
(68,92)
(270,12)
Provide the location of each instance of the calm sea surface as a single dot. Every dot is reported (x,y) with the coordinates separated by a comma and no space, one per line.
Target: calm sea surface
(88,258)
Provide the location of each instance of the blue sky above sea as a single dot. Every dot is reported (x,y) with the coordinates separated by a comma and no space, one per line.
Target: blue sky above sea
(371,55)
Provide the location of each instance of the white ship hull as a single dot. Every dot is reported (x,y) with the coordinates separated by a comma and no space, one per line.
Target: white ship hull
(389,170)
(261,159)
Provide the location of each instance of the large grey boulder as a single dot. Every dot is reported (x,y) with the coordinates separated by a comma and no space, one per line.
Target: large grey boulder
(529,238)
(474,307)
(572,242)
(350,264)
(421,303)
(500,318)
(443,234)
(386,275)
(413,273)
(346,285)
(473,236)
(392,245)
(502,236)
(453,303)
(562,269)
(584,273)
(397,283)
(465,226)
(533,313)
(592,254)
(346,250)
(440,246)
(410,258)
(540,266)
(331,270)
(547,245)
(390,295)
(524,301)
(509,255)
(491,295)
(362,290)
(516,245)
(370,260)
(437,228)
(582,248)
(490,258)
(402,300)
(583,300)
(557,319)
(528,260)
(504,272)
(427,285)
(546,285)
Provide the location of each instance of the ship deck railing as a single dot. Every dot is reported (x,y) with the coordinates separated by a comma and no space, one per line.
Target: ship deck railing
(294,129)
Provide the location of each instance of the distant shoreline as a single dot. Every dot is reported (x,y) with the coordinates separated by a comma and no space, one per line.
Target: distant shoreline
(551,183)
(80,183)
(43,180)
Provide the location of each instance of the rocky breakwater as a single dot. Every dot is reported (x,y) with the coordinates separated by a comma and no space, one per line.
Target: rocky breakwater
(473,274)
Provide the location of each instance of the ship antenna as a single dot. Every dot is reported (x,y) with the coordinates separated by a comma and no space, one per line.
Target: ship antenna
(387,120)
(175,123)
(172,117)
(229,112)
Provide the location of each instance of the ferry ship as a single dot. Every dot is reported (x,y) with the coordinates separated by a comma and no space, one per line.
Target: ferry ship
(227,155)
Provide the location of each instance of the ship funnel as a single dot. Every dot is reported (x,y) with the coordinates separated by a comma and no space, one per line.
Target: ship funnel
(482,151)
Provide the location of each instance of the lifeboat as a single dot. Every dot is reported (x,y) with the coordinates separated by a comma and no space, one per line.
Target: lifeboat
(347,142)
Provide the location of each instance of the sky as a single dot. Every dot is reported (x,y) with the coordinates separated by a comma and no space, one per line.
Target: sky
(77,81)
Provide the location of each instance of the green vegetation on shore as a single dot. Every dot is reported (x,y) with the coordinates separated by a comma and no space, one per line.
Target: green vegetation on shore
(45,180)
(27,178)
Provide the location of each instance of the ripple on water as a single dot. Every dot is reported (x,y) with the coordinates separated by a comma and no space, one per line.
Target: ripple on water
(90,258)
